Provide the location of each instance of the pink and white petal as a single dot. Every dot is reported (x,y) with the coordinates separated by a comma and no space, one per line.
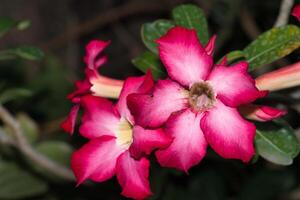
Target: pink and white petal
(99,117)
(152,110)
(69,123)
(233,85)
(133,176)
(261,113)
(228,133)
(296,11)
(96,160)
(146,140)
(209,48)
(189,144)
(131,85)
(183,56)
(93,49)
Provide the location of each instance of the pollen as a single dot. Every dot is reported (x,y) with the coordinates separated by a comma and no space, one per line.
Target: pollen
(201,96)
(124,134)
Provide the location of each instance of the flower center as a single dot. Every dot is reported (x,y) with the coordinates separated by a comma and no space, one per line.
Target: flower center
(201,96)
(124,133)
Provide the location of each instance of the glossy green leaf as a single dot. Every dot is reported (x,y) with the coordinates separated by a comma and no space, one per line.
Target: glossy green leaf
(12,94)
(16,183)
(277,144)
(191,16)
(152,31)
(272,45)
(29,53)
(151,61)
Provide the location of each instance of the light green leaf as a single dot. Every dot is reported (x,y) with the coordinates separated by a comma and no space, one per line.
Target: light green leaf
(12,94)
(147,61)
(152,31)
(191,16)
(16,183)
(23,24)
(272,45)
(277,144)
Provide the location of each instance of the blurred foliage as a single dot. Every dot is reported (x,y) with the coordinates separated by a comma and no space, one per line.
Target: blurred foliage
(37,83)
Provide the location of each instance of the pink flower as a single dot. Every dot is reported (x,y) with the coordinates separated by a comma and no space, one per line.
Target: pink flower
(94,83)
(296,11)
(198,103)
(117,146)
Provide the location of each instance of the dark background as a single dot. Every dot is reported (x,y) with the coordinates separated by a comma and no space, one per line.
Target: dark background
(62,28)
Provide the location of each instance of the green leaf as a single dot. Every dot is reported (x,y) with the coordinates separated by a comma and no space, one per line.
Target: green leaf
(29,127)
(7,24)
(27,52)
(57,151)
(277,144)
(147,61)
(191,16)
(233,55)
(272,45)
(12,94)
(23,24)
(16,183)
(152,31)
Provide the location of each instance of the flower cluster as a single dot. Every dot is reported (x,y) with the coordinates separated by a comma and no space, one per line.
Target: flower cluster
(198,105)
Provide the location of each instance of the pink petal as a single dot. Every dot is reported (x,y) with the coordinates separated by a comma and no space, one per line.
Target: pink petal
(133,85)
(81,88)
(103,86)
(68,124)
(228,133)
(209,48)
(188,146)
(261,113)
(93,49)
(233,85)
(99,117)
(296,11)
(152,110)
(183,56)
(133,176)
(146,140)
(96,160)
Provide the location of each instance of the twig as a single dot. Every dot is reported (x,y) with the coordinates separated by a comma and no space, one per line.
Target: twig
(284,13)
(104,18)
(22,144)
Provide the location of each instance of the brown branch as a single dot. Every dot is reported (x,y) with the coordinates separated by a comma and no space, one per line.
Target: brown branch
(104,18)
(284,13)
(24,147)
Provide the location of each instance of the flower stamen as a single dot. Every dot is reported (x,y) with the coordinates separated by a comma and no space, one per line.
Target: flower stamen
(201,96)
